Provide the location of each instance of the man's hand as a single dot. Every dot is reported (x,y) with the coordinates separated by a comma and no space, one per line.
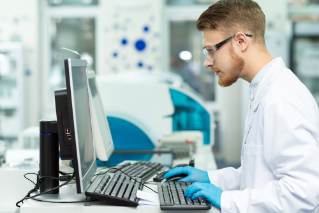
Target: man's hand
(207,190)
(194,174)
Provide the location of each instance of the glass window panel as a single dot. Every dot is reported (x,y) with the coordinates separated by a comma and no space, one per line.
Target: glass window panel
(187,58)
(77,34)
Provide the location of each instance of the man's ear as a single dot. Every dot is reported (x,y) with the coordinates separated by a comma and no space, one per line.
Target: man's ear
(241,41)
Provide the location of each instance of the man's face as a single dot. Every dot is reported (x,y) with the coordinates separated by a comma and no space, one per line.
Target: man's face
(228,65)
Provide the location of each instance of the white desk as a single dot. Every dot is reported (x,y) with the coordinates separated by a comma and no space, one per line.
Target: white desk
(38,207)
(13,187)
(14,178)
(31,206)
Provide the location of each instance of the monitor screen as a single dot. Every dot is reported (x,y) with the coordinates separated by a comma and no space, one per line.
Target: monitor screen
(102,134)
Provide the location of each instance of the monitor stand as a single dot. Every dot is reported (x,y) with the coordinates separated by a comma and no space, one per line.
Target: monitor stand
(67,194)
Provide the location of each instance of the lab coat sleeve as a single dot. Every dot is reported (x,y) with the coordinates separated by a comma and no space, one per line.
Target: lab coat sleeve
(290,150)
(226,179)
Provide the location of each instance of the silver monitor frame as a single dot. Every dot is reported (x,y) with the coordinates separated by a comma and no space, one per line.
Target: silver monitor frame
(82,182)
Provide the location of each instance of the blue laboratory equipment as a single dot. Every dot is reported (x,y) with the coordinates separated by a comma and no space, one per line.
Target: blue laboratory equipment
(143,107)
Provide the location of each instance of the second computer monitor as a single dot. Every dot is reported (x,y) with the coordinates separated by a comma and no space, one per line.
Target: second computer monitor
(102,135)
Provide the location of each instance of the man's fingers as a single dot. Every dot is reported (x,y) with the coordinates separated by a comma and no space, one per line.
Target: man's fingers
(197,194)
(185,179)
(173,172)
(191,190)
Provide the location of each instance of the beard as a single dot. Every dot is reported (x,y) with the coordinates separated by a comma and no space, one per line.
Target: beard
(237,65)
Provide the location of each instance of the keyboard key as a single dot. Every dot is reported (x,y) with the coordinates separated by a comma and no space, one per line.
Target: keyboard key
(189,201)
(165,184)
(176,200)
(133,194)
(133,197)
(110,186)
(183,201)
(196,201)
(116,188)
(122,189)
(167,198)
(189,183)
(202,201)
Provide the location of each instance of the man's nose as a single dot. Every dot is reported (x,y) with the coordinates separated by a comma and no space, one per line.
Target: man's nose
(208,63)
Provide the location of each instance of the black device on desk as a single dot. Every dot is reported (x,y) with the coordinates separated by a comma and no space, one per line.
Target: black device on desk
(171,195)
(171,192)
(160,176)
(76,119)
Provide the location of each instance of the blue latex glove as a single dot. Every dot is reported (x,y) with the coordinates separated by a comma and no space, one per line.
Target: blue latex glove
(212,193)
(194,174)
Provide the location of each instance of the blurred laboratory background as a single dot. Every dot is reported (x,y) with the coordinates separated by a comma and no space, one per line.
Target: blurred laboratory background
(138,38)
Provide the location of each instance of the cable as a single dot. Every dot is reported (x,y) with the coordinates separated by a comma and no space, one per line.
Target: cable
(37,186)
(129,176)
(65,177)
(64,173)
(28,178)
(55,178)
(60,178)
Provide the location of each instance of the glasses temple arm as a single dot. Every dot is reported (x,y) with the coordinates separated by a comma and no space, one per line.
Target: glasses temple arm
(217,46)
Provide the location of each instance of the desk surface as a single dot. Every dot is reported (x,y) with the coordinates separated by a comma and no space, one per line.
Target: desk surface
(12,177)
(31,206)
(35,207)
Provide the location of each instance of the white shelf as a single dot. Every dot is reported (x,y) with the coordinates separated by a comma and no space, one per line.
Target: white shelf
(312,9)
(11,87)
(8,104)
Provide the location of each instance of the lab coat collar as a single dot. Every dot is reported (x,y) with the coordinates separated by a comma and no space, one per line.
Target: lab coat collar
(270,73)
(257,79)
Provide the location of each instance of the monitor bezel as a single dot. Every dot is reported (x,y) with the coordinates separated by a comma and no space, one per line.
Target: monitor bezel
(81,182)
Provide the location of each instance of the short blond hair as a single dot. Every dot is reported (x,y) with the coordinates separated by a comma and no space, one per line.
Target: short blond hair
(231,16)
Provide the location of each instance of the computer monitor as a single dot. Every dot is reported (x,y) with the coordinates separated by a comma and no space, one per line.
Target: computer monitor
(74,123)
(102,135)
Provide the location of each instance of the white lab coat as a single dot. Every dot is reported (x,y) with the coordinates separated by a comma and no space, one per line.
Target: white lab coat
(280,156)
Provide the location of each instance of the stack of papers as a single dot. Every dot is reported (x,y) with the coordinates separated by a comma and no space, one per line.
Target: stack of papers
(147,198)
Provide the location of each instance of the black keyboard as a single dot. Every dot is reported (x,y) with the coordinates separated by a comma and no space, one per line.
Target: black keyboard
(120,188)
(171,195)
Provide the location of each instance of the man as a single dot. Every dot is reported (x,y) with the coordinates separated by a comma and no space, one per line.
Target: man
(280,157)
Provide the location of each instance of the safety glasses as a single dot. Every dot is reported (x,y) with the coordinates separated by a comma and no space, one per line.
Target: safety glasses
(211,52)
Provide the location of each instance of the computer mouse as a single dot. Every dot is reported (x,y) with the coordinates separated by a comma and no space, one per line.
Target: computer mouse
(159,177)
(176,177)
